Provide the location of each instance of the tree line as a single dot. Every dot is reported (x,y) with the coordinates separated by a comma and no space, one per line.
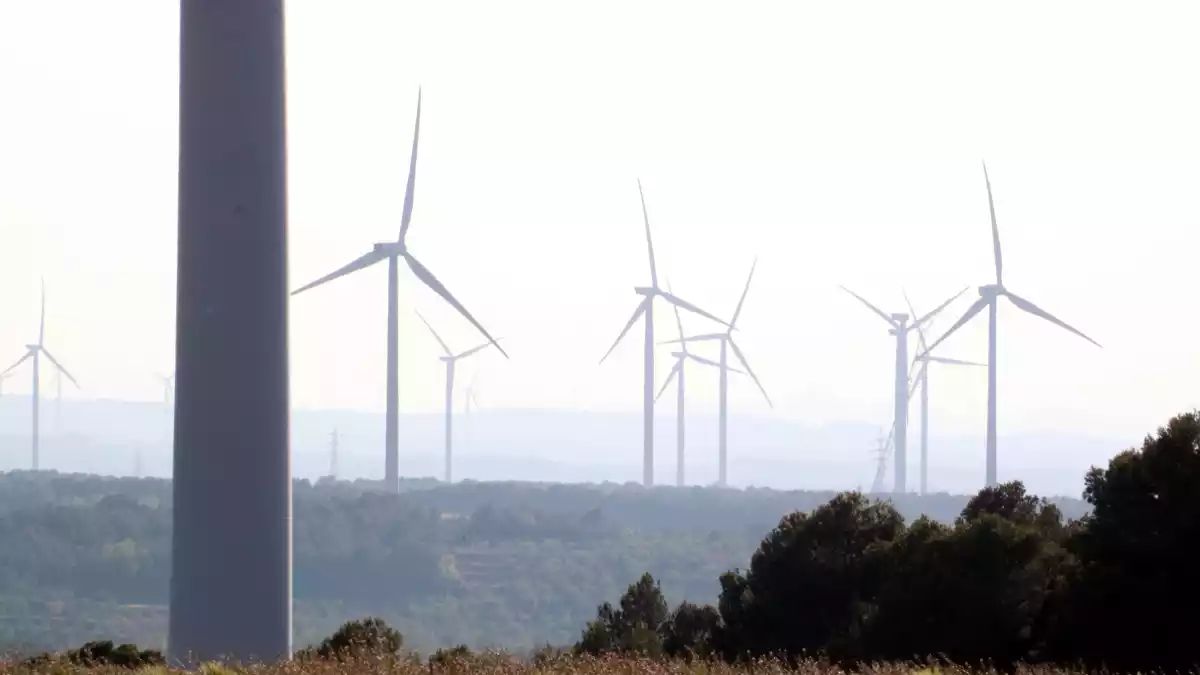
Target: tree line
(1010,580)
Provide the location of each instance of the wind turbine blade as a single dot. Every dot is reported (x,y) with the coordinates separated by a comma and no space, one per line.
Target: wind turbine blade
(637,313)
(873,308)
(649,243)
(921,348)
(42,323)
(474,349)
(940,307)
(58,365)
(406,217)
(21,360)
(1038,311)
(995,230)
(361,262)
(431,281)
(669,380)
(678,321)
(675,300)
(746,364)
(714,364)
(971,311)
(695,338)
(737,312)
(435,334)
(954,362)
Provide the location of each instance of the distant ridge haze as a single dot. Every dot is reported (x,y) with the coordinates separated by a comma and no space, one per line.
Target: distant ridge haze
(553,445)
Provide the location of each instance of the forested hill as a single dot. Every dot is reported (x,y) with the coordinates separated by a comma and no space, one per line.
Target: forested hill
(486,564)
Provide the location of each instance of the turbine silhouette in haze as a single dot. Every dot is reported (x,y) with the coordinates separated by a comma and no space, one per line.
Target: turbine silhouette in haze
(35,351)
(450,359)
(922,380)
(392,252)
(989,296)
(646,306)
(900,328)
(727,343)
(168,383)
(681,358)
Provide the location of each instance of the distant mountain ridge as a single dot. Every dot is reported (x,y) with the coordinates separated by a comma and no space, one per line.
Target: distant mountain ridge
(104,436)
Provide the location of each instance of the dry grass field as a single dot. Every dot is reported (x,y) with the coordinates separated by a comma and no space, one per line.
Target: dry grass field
(479,665)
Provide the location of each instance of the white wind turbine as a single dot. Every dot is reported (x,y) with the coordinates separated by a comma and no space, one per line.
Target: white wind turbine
(989,296)
(646,306)
(681,357)
(900,328)
(727,343)
(922,380)
(392,252)
(451,359)
(36,351)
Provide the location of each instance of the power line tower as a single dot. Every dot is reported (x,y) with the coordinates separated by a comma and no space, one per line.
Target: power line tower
(881,459)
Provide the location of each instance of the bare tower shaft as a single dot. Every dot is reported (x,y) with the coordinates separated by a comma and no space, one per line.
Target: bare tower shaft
(231,583)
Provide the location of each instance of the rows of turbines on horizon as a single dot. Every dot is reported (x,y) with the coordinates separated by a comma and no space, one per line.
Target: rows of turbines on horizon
(910,375)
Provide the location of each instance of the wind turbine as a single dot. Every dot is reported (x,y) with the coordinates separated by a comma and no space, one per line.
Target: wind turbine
(989,296)
(392,252)
(681,357)
(727,342)
(36,351)
(333,454)
(646,306)
(450,359)
(900,328)
(922,381)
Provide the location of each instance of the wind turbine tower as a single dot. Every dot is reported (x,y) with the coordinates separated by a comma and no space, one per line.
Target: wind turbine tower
(35,351)
(989,296)
(392,252)
(922,381)
(231,552)
(727,343)
(899,327)
(681,358)
(646,306)
(451,359)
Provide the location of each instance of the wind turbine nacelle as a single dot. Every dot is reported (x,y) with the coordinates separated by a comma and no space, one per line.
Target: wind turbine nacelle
(990,291)
(33,348)
(643,290)
(392,247)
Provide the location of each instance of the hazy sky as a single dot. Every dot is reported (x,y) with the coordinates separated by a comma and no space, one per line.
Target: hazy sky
(838,142)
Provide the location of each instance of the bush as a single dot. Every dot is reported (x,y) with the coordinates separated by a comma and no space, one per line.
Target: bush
(364,637)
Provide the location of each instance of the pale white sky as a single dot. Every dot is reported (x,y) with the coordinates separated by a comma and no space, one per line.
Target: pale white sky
(838,142)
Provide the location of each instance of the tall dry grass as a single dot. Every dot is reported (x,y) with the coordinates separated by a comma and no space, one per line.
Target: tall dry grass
(505,665)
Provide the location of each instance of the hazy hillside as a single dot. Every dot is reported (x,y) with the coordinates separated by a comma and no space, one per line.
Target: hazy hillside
(554,445)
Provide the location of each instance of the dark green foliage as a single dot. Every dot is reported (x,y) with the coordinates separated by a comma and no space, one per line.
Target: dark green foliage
(1132,602)
(364,637)
(812,580)
(103,653)
(633,627)
(446,656)
(692,631)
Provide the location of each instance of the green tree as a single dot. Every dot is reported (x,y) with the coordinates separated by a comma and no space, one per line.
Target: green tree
(977,591)
(811,582)
(370,636)
(1132,605)
(691,631)
(633,627)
